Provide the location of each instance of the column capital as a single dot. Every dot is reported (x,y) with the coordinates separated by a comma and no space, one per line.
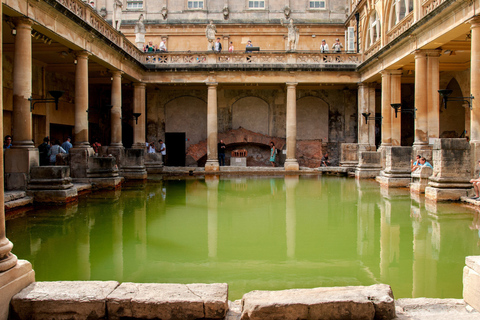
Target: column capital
(211,84)
(291,84)
(139,84)
(475,22)
(420,54)
(22,21)
(396,72)
(386,73)
(82,54)
(116,73)
(433,53)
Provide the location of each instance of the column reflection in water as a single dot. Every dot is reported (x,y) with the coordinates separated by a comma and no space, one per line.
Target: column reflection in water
(212,205)
(83,240)
(366,207)
(291,182)
(395,235)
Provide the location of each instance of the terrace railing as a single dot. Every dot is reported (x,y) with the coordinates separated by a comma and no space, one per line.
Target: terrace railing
(400,27)
(258,59)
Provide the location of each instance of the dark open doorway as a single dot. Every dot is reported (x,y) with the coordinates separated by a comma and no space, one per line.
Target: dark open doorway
(175,143)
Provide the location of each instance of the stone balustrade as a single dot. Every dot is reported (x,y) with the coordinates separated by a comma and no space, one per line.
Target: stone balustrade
(373,49)
(430,5)
(400,27)
(266,58)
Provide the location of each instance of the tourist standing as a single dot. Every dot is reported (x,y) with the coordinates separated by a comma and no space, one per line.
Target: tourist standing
(67,144)
(7,143)
(54,150)
(163,46)
(96,146)
(163,151)
(231,48)
(43,152)
(273,153)
(476,186)
(151,147)
(337,46)
(218,46)
(221,153)
(324,46)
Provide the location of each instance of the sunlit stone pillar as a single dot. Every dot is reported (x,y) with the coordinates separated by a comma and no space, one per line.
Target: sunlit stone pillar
(23,155)
(81,101)
(139,107)
(212,152)
(421,118)
(433,97)
(212,205)
(475,91)
(291,163)
(291,183)
(366,104)
(396,97)
(14,275)
(22,84)
(386,109)
(116,112)
(81,150)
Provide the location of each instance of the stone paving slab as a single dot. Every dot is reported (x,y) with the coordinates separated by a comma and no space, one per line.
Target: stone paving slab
(63,300)
(13,195)
(168,301)
(373,302)
(438,309)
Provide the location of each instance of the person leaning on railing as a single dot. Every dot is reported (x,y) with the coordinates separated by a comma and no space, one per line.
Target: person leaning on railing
(337,46)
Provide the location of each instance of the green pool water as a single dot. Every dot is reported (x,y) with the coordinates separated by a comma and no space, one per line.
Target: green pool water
(258,233)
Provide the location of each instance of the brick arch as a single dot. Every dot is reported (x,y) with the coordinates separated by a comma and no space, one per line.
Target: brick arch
(234,137)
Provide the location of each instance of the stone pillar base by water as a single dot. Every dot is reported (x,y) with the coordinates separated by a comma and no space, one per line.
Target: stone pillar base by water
(13,281)
(368,165)
(134,167)
(349,155)
(451,170)
(18,162)
(397,167)
(471,281)
(103,173)
(212,166)
(51,184)
(79,161)
(118,153)
(153,163)
(420,179)
(291,165)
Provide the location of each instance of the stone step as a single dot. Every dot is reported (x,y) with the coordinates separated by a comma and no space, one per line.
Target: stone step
(13,195)
(373,302)
(17,203)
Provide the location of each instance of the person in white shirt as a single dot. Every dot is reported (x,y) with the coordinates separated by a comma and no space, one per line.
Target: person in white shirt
(324,46)
(163,151)
(218,46)
(163,46)
(151,147)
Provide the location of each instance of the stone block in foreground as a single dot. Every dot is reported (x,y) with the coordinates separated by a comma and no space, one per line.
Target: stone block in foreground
(62,300)
(373,302)
(471,281)
(168,301)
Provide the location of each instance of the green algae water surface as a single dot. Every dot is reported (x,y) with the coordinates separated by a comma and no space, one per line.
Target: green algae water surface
(259,233)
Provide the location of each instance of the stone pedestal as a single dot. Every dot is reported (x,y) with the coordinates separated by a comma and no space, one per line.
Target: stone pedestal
(52,184)
(419,179)
(118,153)
(18,162)
(368,165)
(153,163)
(79,162)
(471,281)
(397,167)
(134,167)
(238,158)
(451,170)
(103,173)
(13,281)
(349,155)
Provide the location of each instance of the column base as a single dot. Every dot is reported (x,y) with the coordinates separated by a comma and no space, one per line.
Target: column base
(368,165)
(393,182)
(119,153)
(212,166)
(18,162)
(444,194)
(13,281)
(79,161)
(291,165)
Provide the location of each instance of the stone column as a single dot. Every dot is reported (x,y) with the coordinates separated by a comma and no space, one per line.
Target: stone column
(386,109)
(366,104)
(116,112)
(139,107)
(475,91)
(396,97)
(81,101)
(81,150)
(116,146)
(23,155)
(212,152)
(14,275)
(291,163)
(433,97)
(421,118)
(22,85)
